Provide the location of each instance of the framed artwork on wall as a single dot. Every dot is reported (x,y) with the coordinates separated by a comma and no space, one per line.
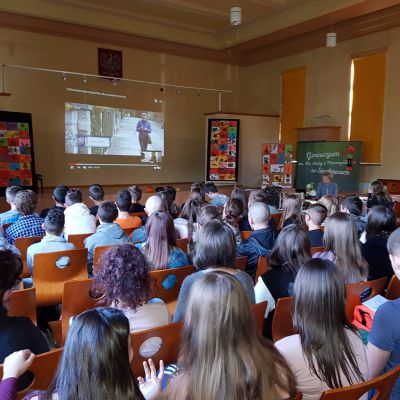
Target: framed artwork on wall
(110,63)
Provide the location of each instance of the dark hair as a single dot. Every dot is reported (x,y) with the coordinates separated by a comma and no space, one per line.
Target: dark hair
(165,202)
(107,212)
(200,188)
(257,196)
(95,361)
(210,187)
(233,211)
(11,192)
(207,213)
(190,211)
(123,277)
(317,212)
(73,196)
(240,194)
(159,189)
(291,250)
(160,240)
(393,244)
(320,318)
(54,222)
(25,201)
(273,196)
(124,200)
(215,246)
(171,193)
(354,204)
(381,221)
(379,192)
(135,192)
(96,192)
(59,193)
(10,271)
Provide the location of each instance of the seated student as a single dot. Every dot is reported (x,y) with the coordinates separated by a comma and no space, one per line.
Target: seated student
(215,250)
(332,205)
(16,333)
(259,196)
(314,217)
(107,233)
(232,214)
(384,337)
(96,360)
(186,223)
(78,218)
(53,240)
(260,241)
(273,197)
(291,251)
(10,216)
(353,206)
(96,194)
(28,224)
(59,194)
(160,247)
(379,196)
(153,204)
(221,355)
(216,199)
(200,188)
(381,223)
(123,278)
(291,211)
(171,197)
(136,194)
(327,352)
(240,194)
(327,186)
(343,248)
(124,220)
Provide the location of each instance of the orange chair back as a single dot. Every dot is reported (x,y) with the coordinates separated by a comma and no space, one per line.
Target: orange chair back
(157,278)
(76,299)
(241,263)
(22,244)
(396,209)
(22,303)
(79,239)
(354,290)
(262,267)
(49,279)
(246,234)
(259,314)
(382,384)
(43,368)
(393,290)
(277,218)
(282,324)
(170,336)
(182,244)
(317,249)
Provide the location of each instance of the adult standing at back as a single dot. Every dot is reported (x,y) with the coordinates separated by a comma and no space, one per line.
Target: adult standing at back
(327,186)
(143,128)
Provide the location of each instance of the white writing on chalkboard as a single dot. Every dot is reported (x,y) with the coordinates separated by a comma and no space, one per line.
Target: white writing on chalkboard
(327,155)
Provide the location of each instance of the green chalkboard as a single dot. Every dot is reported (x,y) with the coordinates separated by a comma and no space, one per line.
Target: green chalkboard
(341,158)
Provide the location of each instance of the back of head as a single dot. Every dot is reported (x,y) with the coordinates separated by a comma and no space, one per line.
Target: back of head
(273,196)
(135,192)
(73,196)
(393,244)
(96,192)
(59,193)
(353,204)
(210,187)
(107,212)
(207,213)
(123,277)
(153,203)
(11,269)
(171,193)
(381,221)
(54,222)
(215,246)
(124,200)
(25,201)
(240,194)
(317,213)
(192,206)
(200,187)
(95,362)
(11,192)
(229,359)
(291,207)
(257,196)
(233,211)
(378,188)
(330,202)
(259,214)
(319,317)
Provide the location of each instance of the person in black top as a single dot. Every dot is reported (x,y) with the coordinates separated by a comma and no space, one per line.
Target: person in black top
(96,194)
(16,333)
(314,217)
(378,196)
(261,240)
(381,223)
(59,194)
(136,194)
(353,206)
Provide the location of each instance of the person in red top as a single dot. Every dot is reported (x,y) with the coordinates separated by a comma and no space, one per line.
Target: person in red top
(125,220)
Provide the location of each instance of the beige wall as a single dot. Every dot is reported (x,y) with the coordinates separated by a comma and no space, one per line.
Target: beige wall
(44,94)
(327,92)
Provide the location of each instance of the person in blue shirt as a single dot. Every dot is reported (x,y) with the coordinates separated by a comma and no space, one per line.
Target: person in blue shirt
(143,128)
(327,186)
(12,215)
(216,199)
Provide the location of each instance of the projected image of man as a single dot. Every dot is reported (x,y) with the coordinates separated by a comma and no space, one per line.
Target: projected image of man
(143,128)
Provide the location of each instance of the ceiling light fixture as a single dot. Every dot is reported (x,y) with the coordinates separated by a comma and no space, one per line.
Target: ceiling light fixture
(331,39)
(236,16)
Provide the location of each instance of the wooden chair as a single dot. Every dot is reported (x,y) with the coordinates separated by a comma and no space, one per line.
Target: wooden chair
(98,252)
(49,279)
(182,244)
(317,249)
(246,234)
(393,290)
(241,263)
(282,324)
(383,385)
(22,244)
(43,368)
(262,267)
(259,313)
(170,336)
(354,290)
(22,303)
(277,219)
(79,239)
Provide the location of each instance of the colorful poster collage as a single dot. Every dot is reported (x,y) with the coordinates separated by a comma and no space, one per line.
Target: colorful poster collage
(277,168)
(223,150)
(15,154)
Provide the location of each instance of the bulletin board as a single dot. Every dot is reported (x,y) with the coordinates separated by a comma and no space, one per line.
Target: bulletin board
(17,165)
(277,167)
(223,150)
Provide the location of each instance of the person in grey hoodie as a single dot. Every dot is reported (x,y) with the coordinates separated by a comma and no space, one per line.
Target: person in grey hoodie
(107,233)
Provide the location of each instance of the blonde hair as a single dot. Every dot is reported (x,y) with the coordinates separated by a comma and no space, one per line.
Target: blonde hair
(341,238)
(331,203)
(291,208)
(221,355)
